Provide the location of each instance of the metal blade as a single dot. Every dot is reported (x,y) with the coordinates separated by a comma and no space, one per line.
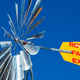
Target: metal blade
(11,23)
(36,24)
(7,34)
(39,35)
(34,9)
(26,60)
(16,7)
(5,70)
(5,44)
(36,5)
(30,1)
(33,50)
(4,52)
(35,15)
(22,10)
(31,28)
(19,71)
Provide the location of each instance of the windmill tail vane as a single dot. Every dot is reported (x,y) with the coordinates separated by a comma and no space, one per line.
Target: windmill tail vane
(16,51)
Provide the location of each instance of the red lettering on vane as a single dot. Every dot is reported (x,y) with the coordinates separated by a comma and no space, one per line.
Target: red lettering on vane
(73,52)
(76,45)
(77,53)
(74,60)
(70,44)
(78,60)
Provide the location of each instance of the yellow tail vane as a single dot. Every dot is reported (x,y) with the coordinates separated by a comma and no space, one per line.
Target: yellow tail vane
(75,48)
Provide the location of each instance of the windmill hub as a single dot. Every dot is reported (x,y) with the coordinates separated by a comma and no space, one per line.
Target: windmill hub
(16,40)
(23,42)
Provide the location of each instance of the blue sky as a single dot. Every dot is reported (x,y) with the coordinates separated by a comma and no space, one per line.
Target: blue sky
(62,24)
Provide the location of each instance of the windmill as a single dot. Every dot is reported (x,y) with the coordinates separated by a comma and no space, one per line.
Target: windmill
(20,59)
(22,45)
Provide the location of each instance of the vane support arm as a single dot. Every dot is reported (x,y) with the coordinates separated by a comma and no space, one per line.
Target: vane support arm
(54,49)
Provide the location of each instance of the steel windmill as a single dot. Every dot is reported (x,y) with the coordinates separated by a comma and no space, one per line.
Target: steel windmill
(23,46)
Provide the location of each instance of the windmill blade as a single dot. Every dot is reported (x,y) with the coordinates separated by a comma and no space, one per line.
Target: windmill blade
(7,34)
(5,44)
(36,24)
(18,68)
(36,5)
(54,49)
(5,51)
(34,9)
(11,23)
(26,60)
(35,15)
(22,10)
(33,50)
(16,7)
(39,35)
(32,28)
(30,1)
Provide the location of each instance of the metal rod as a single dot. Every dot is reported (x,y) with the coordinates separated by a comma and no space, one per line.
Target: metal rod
(31,72)
(27,75)
(54,49)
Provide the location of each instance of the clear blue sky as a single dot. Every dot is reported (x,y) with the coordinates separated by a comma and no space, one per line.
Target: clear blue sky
(62,24)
